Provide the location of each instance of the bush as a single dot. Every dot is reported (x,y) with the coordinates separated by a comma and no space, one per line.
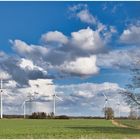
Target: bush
(38,115)
(62,117)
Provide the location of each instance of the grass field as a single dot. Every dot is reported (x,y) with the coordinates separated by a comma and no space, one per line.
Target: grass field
(130,123)
(77,128)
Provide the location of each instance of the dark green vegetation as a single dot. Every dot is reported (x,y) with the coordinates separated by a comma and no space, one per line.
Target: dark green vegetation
(72,128)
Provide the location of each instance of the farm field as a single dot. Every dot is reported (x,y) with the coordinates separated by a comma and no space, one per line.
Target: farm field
(130,123)
(74,128)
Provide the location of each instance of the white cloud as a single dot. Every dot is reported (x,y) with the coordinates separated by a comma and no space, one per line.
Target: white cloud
(81,12)
(131,35)
(88,99)
(77,48)
(42,86)
(21,47)
(87,39)
(81,66)
(85,16)
(2,54)
(4,74)
(54,36)
(87,96)
(28,65)
(93,88)
(24,49)
(119,58)
(77,7)
(14,96)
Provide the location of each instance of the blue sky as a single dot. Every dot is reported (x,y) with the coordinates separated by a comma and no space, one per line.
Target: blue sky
(74,43)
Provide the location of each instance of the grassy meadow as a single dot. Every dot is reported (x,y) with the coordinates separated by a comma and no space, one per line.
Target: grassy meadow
(73,128)
(130,123)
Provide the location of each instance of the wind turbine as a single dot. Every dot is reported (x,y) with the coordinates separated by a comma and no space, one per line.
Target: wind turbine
(106,100)
(54,99)
(31,98)
(24,108)
(54,102)
(118,106)
(105,105)
(1,101)
(54,96)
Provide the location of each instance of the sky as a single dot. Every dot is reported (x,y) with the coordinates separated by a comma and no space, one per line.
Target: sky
(84,48)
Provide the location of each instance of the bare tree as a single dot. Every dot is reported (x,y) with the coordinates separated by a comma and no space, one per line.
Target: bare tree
(133,114)
(108,112)
(132,91)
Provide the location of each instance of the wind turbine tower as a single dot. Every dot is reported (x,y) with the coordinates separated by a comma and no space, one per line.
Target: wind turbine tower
(54,98)
(118,104)
(54,102)
(1,103)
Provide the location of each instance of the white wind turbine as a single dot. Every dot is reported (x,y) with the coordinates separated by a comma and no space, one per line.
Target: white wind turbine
(118,106)
(106,100)
(106,103)
(1,97)
(31,98)
(54,96)
(54,102)
(3,76)
(1,100)
(54,99)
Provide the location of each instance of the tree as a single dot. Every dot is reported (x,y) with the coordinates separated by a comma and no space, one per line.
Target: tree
(38,115)
(50,115)
(132,91)
(133,114)
(108,112)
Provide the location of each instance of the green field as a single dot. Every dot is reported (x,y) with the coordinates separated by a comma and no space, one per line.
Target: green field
(76,128)
(130,123)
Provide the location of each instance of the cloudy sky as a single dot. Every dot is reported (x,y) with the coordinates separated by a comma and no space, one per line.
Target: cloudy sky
(84,48)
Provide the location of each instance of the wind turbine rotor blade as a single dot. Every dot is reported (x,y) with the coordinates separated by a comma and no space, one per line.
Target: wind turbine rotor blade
(104,95)
(7,94)
(23,104)
(59,98)
(46,96)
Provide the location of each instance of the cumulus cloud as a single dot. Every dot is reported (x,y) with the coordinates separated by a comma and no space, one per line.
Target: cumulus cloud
(28,65)
(119,58)
(54,36)
(81,66)
(89,97)
(21,47)
(2,54)
(24,49)
(14,96)
(42,86)
(131,35)
(82,12)
(79,54)
(4,74)
(21,70)
(78,48)
(87,40)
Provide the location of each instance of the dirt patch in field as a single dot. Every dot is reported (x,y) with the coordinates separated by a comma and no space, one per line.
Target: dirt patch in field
(119,124)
